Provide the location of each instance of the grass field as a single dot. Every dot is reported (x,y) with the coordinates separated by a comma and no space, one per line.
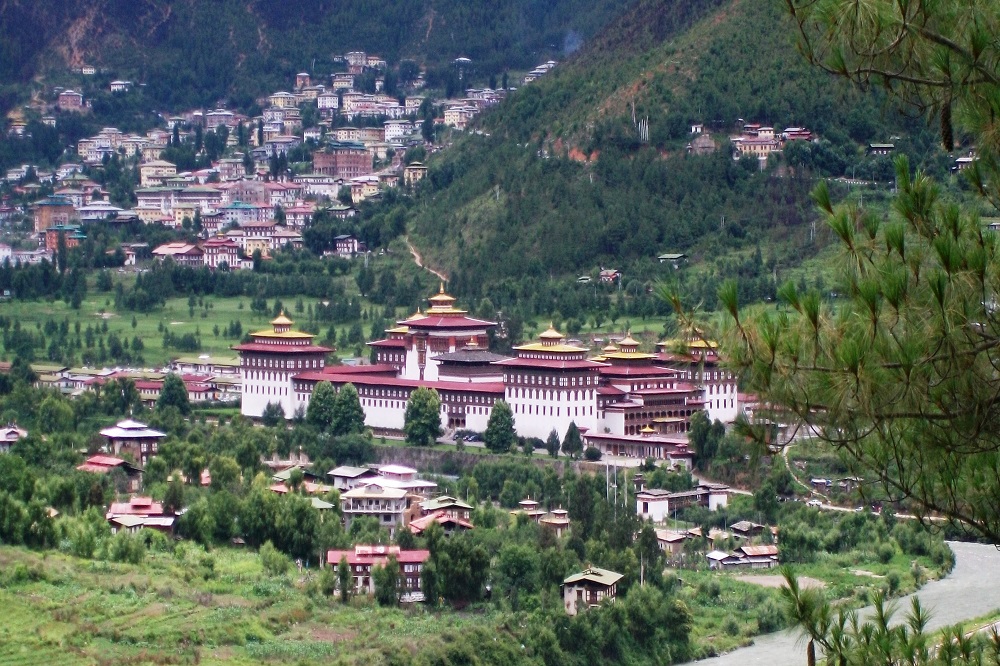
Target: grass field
(175,609)
(175,316)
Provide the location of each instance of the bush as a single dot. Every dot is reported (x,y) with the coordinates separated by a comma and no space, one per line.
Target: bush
(770,618)
(731,627)
(885,553)
(893,580)
(593,454)
(274,561)
(127,547)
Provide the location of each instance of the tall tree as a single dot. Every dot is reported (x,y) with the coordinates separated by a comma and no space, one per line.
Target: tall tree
(386,579)
(572,444)
(422,421)
(552,443)
(320,413)
(174,394)
(500,435)
(173,500)
(348,417)
(345,581)
(273,414)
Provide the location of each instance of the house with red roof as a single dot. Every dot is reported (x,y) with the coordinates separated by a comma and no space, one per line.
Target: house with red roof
(364,558)
(101,464)
(137,513)
(449,523)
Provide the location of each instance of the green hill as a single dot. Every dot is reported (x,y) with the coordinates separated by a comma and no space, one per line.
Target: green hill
(559,184)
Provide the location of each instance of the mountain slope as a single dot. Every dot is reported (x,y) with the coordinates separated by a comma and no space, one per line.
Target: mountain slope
(521,202)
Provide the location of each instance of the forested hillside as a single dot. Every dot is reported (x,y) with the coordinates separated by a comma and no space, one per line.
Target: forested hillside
(190,52)
(562,183)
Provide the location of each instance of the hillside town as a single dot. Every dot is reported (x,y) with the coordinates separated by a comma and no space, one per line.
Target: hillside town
(350,148)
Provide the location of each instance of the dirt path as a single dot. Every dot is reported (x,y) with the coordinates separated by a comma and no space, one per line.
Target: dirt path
(419,261)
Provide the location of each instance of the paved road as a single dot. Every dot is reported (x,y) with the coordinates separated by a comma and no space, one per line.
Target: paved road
(969,591)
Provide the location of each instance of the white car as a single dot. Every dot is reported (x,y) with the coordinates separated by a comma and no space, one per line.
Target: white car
(814,502)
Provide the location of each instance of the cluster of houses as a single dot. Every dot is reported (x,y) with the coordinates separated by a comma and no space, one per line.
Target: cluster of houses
(756,140)
(207,379)
(539,71)
(232,194)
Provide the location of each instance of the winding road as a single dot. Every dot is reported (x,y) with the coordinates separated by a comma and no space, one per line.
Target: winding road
(969,591)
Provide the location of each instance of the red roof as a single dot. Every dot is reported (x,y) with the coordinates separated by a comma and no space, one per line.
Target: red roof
(374,369)
(679,388)
(102,464)
(440,517)
(281,349)
(390,342)
(382,380)
(377,555)
(437,321)
(137,506)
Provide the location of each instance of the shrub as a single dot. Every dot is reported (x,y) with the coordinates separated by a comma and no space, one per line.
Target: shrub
(731,627)
(593,454)
(893,580)
(770,618)
(127,547)
(274,561)
(885,553)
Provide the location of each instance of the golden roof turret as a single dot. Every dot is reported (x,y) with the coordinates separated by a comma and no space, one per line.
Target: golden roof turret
(281,320)
(551,333)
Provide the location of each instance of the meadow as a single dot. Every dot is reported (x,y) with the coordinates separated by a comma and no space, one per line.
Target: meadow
(190,606)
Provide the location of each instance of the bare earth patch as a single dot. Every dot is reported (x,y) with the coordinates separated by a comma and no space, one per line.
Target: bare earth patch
(329,635)
(805,582)
(862,572)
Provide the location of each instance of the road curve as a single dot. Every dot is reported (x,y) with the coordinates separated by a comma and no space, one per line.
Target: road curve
(969,591)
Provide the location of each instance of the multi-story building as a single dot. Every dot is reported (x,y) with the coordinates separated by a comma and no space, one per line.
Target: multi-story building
(343,160)
(70,100)
(51,212)
(624,401)
(551,384)
(155,173)
(384,503)
(134,438)
(270,360)
(363,559)
(221,250)
(697,362)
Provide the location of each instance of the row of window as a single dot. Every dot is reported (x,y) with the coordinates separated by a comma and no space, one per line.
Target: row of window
(539,394)
(588,380)
(546,410)
(302,364)
(266,390)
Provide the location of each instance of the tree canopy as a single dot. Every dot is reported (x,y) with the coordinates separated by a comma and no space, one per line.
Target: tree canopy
(348,417)
(174,394)
(500,435)
(422,421)
(320,413)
